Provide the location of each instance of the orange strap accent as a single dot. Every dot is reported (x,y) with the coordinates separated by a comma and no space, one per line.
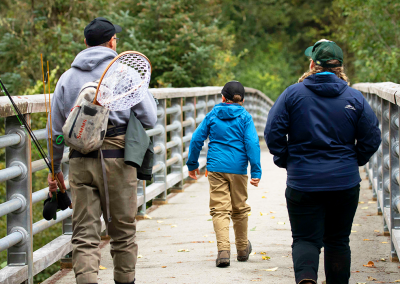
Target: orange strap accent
(206,174)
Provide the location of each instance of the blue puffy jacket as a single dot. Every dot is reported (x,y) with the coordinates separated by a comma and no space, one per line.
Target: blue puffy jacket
(233,141)
(323,118)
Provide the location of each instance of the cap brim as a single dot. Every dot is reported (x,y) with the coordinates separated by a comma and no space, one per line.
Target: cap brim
(308,51)
(118,29)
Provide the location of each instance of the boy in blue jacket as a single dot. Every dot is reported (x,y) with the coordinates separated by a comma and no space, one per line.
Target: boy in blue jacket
(233,143)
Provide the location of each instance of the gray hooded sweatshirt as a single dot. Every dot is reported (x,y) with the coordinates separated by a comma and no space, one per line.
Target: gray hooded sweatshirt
(88,66)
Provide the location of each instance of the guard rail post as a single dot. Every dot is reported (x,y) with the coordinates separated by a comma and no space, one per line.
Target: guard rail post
(160,159)
(201,106)
(385,162)
(394,182)
(189,130)
(176,136)
(20,221)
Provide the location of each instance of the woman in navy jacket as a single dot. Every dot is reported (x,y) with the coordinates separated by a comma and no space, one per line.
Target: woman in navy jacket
(321,130)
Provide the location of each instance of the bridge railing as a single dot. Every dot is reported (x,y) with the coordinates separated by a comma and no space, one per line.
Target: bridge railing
(383,167)
(180,111)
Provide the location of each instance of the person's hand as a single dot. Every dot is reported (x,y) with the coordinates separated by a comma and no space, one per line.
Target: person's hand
(254,181)
(193,173)
(53,183)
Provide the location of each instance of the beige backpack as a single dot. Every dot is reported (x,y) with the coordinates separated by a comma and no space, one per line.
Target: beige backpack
(86,125)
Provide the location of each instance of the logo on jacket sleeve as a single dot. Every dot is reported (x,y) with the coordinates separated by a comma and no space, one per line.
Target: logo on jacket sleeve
(350,107)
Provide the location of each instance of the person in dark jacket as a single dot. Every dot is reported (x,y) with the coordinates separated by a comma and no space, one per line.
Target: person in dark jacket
(233,143)
(321,130)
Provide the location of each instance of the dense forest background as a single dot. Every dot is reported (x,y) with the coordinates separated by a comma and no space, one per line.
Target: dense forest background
(191,43)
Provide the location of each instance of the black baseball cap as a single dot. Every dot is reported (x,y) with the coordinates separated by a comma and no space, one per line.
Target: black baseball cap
(323,51)
(231,89)
(99,31)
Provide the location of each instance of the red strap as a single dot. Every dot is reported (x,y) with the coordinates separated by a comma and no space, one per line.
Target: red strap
(74,107)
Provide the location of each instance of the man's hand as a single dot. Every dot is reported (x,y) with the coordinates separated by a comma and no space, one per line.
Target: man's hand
(254,181)
(53,183)
(193,173)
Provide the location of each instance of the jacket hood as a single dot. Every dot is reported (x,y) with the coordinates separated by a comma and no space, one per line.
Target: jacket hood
(90,58)
(228,111)
(325,85)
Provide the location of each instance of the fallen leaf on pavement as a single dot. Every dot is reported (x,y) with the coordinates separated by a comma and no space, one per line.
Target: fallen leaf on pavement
(256,280)
(139,256)
(356,225)
(210,241)
(396,281)
(209,220)
(384,242)
(253,253)
(173,226)
(159,221)
(367,240)
(253,229)
(363,208)
(281,223)
(261,214)
(147,217)
(266,258)
(376,231)
(249,214)
(370,264)
(263,252)
(163,267)
(361,202)
(271,269)
(159,229)
(272,212)
(355,271)
(354,231)
(273,217)
(371,202)
(101,267)
(263,196)
(183,250)
(383,259)
(370,278)
(205,236)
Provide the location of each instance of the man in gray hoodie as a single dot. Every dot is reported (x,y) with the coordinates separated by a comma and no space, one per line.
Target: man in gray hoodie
(85,174)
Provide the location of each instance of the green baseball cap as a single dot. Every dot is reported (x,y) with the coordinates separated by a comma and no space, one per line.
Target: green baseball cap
(323,51)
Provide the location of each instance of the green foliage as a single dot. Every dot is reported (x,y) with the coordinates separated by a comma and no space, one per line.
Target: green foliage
(186,50)
(371,30)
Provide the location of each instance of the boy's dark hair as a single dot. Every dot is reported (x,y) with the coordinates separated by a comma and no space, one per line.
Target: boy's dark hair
(236,99)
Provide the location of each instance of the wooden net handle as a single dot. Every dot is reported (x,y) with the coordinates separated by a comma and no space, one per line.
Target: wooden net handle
(109,65)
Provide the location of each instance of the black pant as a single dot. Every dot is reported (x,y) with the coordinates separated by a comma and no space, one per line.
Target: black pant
(322,219)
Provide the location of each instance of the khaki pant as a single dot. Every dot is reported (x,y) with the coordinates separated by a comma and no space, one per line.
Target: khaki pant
(228,195)
(88,199)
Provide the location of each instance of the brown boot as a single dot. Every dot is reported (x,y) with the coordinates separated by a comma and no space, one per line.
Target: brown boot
(243,255)
(224,258)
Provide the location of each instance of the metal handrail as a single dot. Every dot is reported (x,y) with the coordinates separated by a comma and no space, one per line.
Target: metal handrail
(187,108)
(383,167)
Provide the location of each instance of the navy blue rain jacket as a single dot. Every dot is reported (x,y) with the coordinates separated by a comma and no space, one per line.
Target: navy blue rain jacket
(321,131)
(233,141)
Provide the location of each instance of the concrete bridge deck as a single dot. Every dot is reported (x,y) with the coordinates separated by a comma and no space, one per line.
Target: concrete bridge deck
(184,224)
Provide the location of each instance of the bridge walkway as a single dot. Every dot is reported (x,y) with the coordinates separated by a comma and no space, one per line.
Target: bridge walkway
(184,224)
